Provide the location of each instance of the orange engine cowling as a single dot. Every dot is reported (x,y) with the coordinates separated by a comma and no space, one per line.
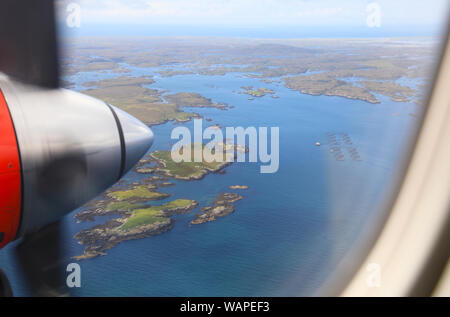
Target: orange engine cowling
(10,178)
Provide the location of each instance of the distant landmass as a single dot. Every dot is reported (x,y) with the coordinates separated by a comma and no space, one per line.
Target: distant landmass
(343,68)
(333,100)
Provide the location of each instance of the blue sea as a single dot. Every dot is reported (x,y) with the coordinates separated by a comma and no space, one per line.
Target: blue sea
(291,229)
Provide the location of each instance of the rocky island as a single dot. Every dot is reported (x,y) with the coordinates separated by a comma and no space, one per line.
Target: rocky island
(185,170)
(138,193)
(192,99)
(132,202)
(124,197)
(135,224)
(324,84)
(160,162)
(222,206)
(257,93)
(239,187)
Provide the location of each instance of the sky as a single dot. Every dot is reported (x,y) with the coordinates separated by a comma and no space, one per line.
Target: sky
(345,14)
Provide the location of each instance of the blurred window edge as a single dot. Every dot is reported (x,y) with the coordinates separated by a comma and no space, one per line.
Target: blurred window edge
(410,243)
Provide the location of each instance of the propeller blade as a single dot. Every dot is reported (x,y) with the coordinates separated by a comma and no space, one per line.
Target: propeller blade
(28,43)
(40,258)
(5,287)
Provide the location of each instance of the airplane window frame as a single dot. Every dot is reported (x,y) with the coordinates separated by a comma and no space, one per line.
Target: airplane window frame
(407,218)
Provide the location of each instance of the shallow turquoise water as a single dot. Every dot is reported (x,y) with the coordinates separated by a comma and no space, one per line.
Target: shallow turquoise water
(292,227)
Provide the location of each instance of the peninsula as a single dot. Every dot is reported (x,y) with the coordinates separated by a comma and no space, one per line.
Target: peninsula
(148,104)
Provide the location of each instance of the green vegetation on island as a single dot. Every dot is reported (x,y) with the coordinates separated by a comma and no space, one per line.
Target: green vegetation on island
(121,199)
(156,214)
(142,217)
(323,84)
(137,218)
(192,99)
(143,103)
(258,92)
(141,192)
(122,206)
(221,207)
(103,237)
(148,104)
(185,170)
(136,221)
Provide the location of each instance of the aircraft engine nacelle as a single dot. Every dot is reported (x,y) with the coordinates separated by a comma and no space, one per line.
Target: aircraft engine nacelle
(59,149)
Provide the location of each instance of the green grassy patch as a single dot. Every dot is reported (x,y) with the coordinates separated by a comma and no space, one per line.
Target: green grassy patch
(172,205)
(179,203)
(137,192)
(143,217)
(259,92)
(154,214)
(189,99)
(184,169)
(122,206)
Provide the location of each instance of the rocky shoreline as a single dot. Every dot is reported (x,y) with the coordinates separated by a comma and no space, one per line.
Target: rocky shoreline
(257,92)
(199,174)
(103,237)
(222,206)
(106,236)
(138,217)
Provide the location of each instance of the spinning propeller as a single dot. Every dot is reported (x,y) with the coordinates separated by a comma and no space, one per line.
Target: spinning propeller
(58,148)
